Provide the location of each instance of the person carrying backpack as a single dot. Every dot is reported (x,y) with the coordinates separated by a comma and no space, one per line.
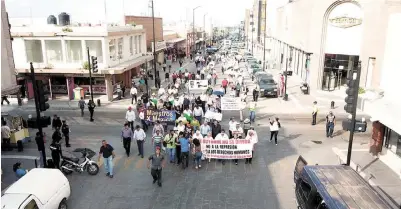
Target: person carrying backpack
(81,105)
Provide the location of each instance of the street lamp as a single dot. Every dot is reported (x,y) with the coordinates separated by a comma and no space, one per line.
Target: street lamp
(204,32)
(154,40)
(193,26)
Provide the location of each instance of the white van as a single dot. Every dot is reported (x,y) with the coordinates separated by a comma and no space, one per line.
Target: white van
(40,188)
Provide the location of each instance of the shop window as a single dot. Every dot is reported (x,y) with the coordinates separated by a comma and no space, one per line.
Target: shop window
(120,48)
(112,49)
(33,50)
(58,80)
(131,45)
(74,51)
(54,51)
(95,49)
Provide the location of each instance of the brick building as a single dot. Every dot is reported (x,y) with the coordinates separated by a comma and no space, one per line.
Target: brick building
(147,23)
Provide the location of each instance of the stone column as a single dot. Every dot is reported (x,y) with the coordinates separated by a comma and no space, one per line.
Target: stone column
(109,87)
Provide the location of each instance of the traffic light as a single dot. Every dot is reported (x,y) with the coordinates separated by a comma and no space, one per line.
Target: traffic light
(43,99)
(45,121)
(360,125)
(94,64)
(352,92)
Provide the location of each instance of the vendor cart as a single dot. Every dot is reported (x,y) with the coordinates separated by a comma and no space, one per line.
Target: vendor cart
(18,127)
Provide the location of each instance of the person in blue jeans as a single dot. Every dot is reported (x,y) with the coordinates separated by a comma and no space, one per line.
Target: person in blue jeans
(170,140)
(107,151)
(198,153)
(184,142)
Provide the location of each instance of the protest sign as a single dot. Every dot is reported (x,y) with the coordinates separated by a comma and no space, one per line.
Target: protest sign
(229,103)
(161,115)
(198,84)
(228,149)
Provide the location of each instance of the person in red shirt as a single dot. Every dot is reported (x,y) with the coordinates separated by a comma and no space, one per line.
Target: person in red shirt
(224,83)
(174,77)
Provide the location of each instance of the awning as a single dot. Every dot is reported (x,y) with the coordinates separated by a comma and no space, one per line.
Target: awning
(176,40)
(10,90)
(385,111)
(122,67)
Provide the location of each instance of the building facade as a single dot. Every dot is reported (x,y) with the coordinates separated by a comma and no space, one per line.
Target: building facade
(322,41)
(147,24)
(59,56)
(8,74)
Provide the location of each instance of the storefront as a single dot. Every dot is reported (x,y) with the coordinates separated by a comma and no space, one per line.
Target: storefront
(177,46)
(160,47)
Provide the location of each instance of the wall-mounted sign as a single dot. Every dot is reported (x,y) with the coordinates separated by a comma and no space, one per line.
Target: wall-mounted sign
(160,45)
(345,21)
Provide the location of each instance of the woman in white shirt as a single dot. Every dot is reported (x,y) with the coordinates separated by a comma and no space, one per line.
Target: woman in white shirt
(254,140)
(274,128)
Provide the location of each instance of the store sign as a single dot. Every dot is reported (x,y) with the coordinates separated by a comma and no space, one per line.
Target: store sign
(345,22)
(160,45)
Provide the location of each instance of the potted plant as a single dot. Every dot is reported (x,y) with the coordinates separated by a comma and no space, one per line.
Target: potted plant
(85,65)
(67,30)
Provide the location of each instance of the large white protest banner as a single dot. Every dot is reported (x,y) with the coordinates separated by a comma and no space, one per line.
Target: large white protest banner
(198,84)
(230,103)
(228,149)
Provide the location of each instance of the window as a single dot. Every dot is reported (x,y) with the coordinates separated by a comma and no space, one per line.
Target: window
(120,48)
(74,51)
(131,46)
(305,189)
(54,52)
(31,205)
(140,44)
(33,50)
(134,45)
(112,49)
(95,49)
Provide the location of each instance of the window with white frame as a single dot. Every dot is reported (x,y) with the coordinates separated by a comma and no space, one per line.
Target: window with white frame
(136,45)
(74,51)
(54,51)
(131,47)
(120,48)
(112,49)
(95,49)
(33,51)
(140,44)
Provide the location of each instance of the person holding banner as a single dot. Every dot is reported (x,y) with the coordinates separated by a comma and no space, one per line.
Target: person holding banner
(222,136)
(208,138)
(232,124)
(253,137)
(236,137)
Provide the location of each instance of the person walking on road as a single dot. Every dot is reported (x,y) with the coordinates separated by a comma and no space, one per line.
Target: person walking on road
(198,152)
(170,140)
(252,111)
(91,108)
(274,128)
(4,98)
(222,136)
(126,138)
(81,105)
(139,136)
(157,139)
(134,93)
(130,117)
(184,142)
(65,129)
(314,113)
(107,151)
(253,137)
(56,122)
(330,123)
(255,93)
(224,84)
(156,163)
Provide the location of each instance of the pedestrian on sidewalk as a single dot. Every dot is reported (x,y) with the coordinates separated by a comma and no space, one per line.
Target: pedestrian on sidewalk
(4,98)
(65,129)
(126,137)
(255,93)
(314,113)
(123,89)
(156,163)
(330,123)
(157,82)
(81,105)
(5,136)
(274,128)
(91,108)
(140,137)
(107,151)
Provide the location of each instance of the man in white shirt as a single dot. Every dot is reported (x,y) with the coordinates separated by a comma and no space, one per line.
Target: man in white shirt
(238,130)
(222,136)
(232,126)
(142,118)
(139,136)
(254,140)
(5,136)
(161,91)
(133,93)
(198,113)
(130,117)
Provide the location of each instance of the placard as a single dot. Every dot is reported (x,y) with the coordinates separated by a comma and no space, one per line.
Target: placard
(228,149)
(229,103)
(161,115)
(198,84)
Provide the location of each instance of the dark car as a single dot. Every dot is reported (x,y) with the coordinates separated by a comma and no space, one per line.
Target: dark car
(334,187)
(268,87)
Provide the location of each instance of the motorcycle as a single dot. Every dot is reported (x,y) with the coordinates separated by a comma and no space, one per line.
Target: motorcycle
(71,164)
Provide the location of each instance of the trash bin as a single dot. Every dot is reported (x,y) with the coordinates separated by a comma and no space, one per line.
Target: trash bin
(78,93)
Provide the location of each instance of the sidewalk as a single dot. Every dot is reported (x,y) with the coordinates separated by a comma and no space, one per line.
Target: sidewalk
(377,173)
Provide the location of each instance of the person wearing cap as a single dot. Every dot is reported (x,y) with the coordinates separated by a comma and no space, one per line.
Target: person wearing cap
(130,117)
(222,136)
(330,123)
(156,163)
(65,129)
(231,126)
(246,126)
(315,110)
(253,137)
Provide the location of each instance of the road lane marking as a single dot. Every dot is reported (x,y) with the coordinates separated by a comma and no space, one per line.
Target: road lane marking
(128,162)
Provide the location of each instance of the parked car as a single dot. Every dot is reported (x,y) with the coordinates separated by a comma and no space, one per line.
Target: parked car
(261,75)
(268,87)
(40,188)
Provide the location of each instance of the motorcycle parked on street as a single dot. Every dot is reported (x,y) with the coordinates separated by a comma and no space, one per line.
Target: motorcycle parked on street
(71,164)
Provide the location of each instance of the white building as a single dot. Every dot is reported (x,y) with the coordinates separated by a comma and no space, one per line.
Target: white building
(60,58)
(314,34)
(8,79)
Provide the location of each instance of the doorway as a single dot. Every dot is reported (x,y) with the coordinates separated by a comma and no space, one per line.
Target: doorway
(336,70)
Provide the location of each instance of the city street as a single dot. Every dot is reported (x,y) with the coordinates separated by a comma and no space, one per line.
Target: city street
(268,181)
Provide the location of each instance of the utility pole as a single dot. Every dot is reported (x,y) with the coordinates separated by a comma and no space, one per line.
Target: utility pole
(90,73)
(193,28)
(154,40)
(41,142)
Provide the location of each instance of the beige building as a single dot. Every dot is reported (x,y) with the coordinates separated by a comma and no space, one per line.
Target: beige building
(324,39)
(8,79)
